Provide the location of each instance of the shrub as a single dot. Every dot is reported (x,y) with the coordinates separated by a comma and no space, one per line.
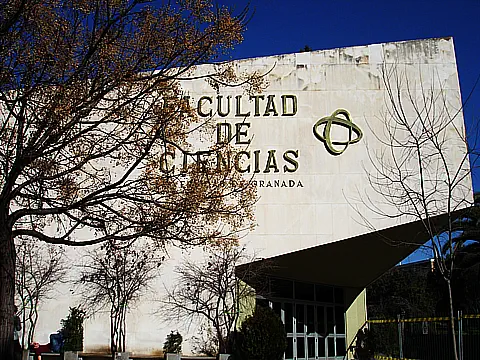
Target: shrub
(262,337)
(173,343)
(206,343)
(72,330)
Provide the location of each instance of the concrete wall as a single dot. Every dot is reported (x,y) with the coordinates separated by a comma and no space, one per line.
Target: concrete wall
(355,316)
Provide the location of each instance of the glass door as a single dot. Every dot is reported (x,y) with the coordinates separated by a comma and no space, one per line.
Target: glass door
(315,326)
(311,332)
(300,334)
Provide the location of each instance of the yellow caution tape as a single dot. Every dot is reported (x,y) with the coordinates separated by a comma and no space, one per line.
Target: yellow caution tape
(428,319)
(380,357)
(380,321)
(385,321)
(475,316)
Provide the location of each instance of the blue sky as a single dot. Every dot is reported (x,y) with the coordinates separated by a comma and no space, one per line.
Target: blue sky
(280,26)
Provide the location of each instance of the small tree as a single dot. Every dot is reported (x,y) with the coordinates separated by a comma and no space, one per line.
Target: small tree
(206,343)
(173,343)
(306,48)
(72,330)
(39,267)
(262,336)
(211,290)
(415,176)
(116,277)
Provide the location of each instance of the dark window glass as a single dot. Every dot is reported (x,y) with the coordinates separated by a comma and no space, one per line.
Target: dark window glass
(330,321)
(320,320)
(341,349)
(304,291)
(300,317)
(310,319)
(289,349)
(324,293)
(288,307)
(311,347)
(331,346)
(281,288)
(300,348)
(339,297)
(321,347)
(340,319)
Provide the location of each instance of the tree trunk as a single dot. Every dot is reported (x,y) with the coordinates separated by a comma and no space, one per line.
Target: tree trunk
(112,335)
(452,320)
(7,292)
(124,329)
(221,342)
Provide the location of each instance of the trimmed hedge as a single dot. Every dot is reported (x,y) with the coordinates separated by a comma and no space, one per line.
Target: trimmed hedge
(262,337)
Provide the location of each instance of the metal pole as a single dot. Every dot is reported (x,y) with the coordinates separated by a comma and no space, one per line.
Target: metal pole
(460,335)
(400,344)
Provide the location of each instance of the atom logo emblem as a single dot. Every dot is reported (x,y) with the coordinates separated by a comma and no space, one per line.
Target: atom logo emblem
(340,117)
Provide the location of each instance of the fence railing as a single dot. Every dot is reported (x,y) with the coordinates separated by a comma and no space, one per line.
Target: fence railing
(424,338)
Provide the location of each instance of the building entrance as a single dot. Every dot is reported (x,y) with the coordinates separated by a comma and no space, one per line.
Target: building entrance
(314,319)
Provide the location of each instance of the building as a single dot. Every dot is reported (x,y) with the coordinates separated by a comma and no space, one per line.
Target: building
(309,141)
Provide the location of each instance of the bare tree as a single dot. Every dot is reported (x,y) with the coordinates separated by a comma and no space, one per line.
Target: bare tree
(115,278)
(211,290)
(423,170)
(39,268)
(90,105)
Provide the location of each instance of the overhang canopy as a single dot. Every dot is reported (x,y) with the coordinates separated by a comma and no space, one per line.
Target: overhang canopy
(353,262)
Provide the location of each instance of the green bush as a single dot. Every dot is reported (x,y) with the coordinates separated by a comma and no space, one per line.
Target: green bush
(262,337)
(173,343)
(72,330)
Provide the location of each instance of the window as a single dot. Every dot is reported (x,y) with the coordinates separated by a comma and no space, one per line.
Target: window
(281,288)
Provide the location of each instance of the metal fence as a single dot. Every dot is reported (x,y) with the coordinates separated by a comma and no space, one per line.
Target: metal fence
(425,338)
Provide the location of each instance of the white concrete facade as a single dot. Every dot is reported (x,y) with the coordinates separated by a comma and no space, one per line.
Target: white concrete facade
(307,196)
